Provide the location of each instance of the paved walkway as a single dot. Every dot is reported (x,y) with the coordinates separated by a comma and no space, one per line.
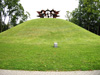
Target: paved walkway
(18,72)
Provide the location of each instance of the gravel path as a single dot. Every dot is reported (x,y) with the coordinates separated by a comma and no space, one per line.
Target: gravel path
(18,72)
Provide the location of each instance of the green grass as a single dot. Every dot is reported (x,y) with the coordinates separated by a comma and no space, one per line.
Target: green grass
(29,46)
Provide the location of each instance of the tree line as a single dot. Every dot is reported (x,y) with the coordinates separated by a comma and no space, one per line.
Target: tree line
(11,13)
(87,15)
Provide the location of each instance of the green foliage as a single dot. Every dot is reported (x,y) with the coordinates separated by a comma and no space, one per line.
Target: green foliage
(75,17)
(29,46)
(1,10)
(68,15)
(87,15)
(13,11)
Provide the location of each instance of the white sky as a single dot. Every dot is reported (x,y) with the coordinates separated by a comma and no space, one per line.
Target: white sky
(60,5)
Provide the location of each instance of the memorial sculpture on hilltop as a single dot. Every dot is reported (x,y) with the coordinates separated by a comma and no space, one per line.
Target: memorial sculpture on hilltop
(48,13)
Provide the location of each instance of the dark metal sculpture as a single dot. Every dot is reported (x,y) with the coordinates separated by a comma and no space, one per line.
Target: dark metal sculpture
(48,13)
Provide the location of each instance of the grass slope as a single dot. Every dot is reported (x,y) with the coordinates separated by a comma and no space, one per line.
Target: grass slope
(29,46)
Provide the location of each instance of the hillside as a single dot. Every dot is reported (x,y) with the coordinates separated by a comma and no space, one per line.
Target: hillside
(29,46)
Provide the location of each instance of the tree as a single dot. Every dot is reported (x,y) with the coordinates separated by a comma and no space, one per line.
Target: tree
(1,10)
(87,15)
(68,15)
(75,16)
(12,12)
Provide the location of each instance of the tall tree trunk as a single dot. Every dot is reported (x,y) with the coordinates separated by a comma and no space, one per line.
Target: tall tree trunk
(0,16)
(0,22)
(98,31)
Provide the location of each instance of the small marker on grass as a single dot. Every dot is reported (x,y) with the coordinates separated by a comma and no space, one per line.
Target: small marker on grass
(55,44)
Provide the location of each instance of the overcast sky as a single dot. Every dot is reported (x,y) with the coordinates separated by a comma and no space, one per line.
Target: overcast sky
(60,5)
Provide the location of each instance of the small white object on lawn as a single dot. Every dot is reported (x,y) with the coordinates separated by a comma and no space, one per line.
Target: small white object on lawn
(55,44)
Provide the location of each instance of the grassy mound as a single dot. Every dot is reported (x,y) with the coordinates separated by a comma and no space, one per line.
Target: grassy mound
(29,46)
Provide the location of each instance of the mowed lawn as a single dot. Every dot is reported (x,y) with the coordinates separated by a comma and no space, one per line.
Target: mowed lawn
(29,46)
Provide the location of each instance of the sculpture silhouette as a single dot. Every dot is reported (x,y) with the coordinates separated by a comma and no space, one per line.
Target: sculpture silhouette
(48,13)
